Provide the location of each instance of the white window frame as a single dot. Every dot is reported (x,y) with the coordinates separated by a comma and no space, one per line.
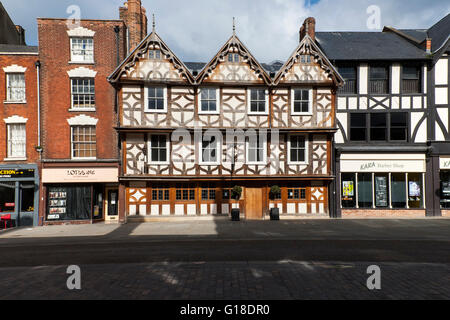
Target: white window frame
(146,104)
(310,105)
(71,142)
(219,142)
(8,149)
(249,101)
(149,143)
(218,101)
(90,109)
(289,150)
(247,151)
(82,61)
(8,100)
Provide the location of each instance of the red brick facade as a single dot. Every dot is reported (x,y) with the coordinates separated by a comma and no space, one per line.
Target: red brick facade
(54,50)
(27,110)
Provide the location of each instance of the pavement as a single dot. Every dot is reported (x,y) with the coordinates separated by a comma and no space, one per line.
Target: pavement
(310,259)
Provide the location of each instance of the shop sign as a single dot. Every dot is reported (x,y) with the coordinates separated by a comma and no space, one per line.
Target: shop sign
(444,163)
(16,173)
(80,175)
(382,166)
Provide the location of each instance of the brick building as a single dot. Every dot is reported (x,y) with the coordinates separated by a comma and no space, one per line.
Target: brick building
(80,146)
(19,175)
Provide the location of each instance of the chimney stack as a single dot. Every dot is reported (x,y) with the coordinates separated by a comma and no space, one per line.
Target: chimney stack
(308,27)
(428,45)
(21,32)
(135,18)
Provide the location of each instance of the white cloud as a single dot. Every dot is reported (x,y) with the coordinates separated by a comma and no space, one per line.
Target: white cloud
(196,29)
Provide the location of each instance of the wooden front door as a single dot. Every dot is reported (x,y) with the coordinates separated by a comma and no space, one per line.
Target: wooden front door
(254,203)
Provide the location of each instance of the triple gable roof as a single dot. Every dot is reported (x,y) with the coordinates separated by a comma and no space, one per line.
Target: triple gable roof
(170,68)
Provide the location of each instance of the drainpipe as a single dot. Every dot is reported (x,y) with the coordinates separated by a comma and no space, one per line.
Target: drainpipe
(38,68)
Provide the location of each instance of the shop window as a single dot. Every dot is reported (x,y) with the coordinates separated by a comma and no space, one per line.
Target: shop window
(378,126)
(296,193)
(185,193)
(398,186)
(27,197)
(358,127)
(381,190)
(160,193)
(208,193)
(445,189)
(69,203)
(365,190)
(348,190)
(226,194)
(7,196)
(415,190)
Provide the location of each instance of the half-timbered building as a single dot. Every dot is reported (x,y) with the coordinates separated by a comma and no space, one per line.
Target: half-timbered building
(392,116)
(190,132)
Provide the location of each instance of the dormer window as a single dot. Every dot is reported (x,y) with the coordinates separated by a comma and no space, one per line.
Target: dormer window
(233,57)
(154,54)
(82,50)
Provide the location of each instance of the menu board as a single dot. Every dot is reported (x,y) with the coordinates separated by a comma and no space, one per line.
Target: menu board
(57,202)
(381,196)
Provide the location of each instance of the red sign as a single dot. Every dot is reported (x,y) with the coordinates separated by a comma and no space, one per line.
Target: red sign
(10,204)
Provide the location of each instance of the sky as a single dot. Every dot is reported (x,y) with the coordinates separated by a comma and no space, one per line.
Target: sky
(196,29)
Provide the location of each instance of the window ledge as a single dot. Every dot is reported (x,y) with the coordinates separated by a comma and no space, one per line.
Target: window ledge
(81,62)
(297,163)
(155,111)
(209,163)
(14,102)
(256,163)
(210,113)
(15,159)
(78,159)
(302,114)
(82,110)
(258,113)
(159,163)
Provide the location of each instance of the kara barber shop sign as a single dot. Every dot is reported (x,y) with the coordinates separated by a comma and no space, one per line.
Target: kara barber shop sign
(383,166)
(56,175)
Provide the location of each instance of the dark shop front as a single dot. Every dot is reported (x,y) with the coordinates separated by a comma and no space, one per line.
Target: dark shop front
(19,194)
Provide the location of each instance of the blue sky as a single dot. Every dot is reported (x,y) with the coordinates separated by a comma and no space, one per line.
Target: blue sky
(196,29)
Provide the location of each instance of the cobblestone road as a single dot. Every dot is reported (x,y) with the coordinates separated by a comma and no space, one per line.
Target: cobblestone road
(229,280)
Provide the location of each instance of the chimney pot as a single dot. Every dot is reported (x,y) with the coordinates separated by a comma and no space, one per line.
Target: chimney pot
(308,27)
(428,45)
